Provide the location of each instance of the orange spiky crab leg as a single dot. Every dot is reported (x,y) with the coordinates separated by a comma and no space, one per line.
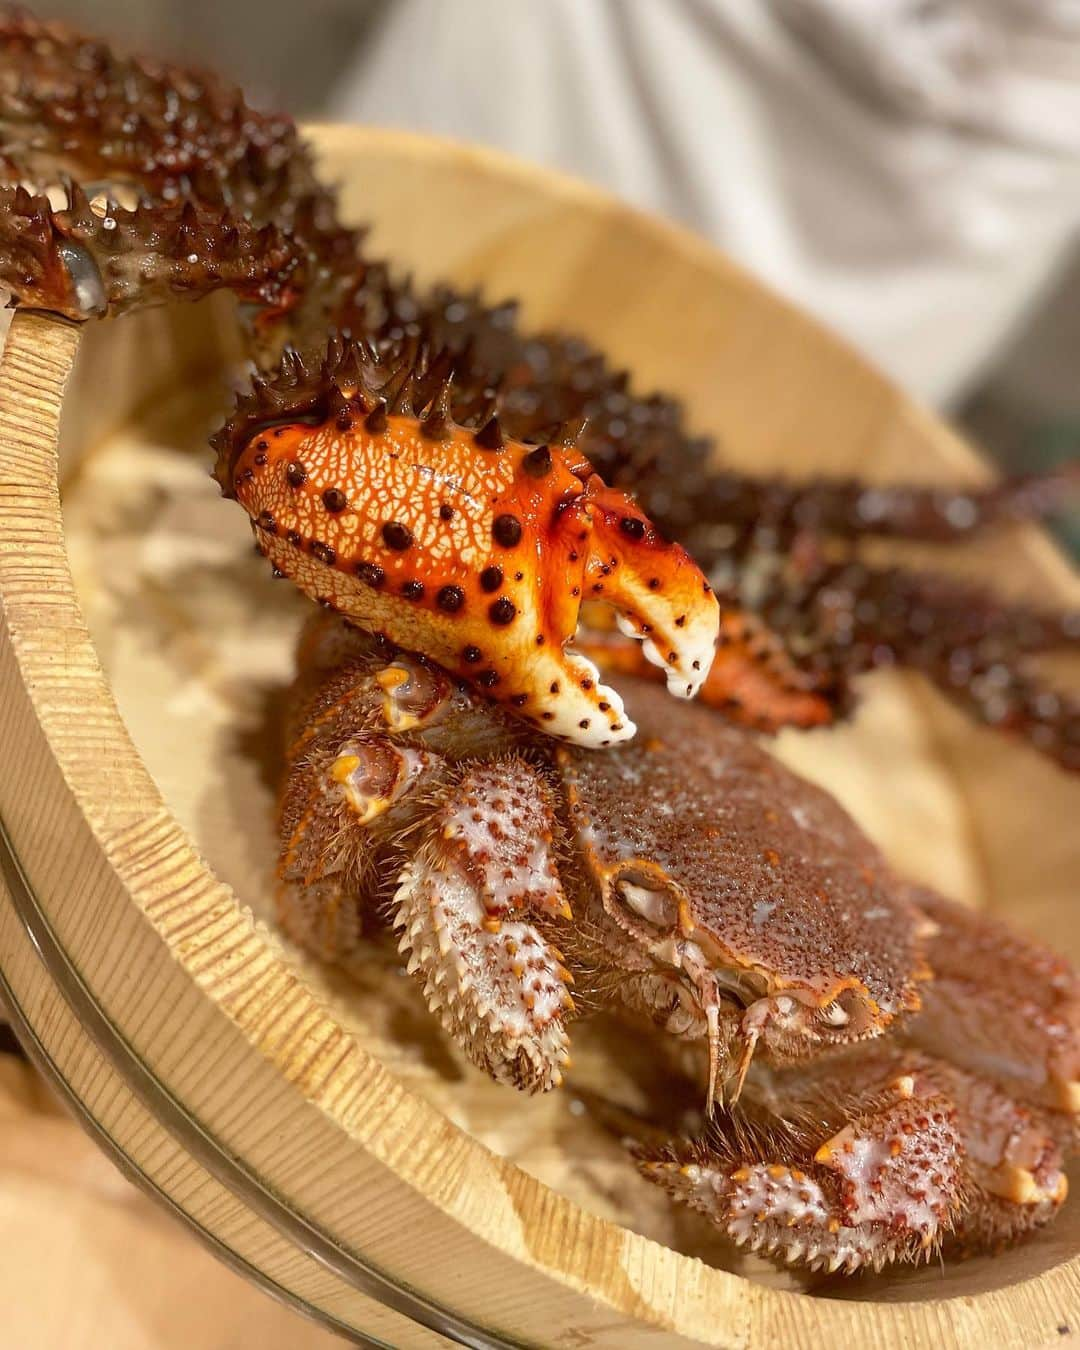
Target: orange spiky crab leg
(462,544)
(752,679)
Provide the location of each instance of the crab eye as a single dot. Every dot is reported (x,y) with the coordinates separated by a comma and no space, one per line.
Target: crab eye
(654,906)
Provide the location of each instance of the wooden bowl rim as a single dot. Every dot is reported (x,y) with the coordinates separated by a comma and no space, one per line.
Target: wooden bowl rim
(667,1289)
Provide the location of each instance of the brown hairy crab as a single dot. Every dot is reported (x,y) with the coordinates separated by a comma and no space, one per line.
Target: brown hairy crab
(887,1072)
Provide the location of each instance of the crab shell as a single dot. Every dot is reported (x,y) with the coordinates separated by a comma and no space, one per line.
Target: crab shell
(478,551)
(763,912)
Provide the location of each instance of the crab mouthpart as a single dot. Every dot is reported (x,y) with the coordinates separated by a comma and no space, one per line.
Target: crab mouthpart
(414,694)
(712,1020)
(372,775)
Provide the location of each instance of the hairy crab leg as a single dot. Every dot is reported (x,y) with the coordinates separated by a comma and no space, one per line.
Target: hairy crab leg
(370,734)
(1003,1006)
(349,791)
(475,907)
(878,1180)
(879,1158)
(373,792)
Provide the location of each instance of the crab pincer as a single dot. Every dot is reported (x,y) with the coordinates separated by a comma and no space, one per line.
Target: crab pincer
(459,542)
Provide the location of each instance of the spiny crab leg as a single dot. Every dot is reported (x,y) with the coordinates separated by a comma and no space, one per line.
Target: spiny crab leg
(885,1183)
(474,907)
(877,1157)
(462,544)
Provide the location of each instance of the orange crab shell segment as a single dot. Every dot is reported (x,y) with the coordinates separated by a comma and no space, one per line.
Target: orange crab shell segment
(475,556)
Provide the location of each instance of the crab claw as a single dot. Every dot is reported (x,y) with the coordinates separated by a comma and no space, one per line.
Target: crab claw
(466,546)
(660,596)
(475,906)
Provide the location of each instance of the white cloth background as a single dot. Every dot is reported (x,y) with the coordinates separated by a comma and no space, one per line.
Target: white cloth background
(908,171)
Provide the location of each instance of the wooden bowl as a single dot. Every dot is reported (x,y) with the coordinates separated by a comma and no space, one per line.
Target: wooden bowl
(210,1061)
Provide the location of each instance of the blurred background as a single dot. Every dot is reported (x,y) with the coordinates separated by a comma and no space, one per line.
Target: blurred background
(908,170)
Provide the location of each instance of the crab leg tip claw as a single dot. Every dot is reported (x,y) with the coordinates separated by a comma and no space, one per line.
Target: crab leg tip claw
(659,594)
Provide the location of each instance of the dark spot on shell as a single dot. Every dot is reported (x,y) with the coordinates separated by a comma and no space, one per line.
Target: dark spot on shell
(487,679)
(632,527)
(296,474)
(491,578)
(323,552)
(507,531)
(586,684)
(396,536)
(472,654)
(548,716)
(371,573)
(412,590)
(325,602)
(276,573)
(654,583)
(334,500)
(680,622)
(554,687)
(604,707)
(540,639)
(262,444)
(446,512)
(616,726)
(519,700)
(260,459)
(293,538)
(502,611)
(266,521)
(450,598)
(583,723)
